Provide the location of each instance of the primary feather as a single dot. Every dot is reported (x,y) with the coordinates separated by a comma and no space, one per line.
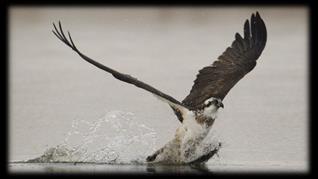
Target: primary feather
(217,79)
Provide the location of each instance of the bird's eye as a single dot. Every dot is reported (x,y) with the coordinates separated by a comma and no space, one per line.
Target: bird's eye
(209,103)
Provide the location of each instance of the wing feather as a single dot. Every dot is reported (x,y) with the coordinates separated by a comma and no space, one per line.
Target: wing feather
(235,62)
(177,106)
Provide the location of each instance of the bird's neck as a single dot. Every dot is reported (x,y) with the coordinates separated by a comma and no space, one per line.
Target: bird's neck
(203,119)
(207,121)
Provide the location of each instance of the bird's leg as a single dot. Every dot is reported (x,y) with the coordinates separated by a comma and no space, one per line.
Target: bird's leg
(152,157)
(206,157)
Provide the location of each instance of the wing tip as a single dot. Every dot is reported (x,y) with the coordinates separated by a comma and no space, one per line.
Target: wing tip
(258,30)
(247,23)
(257,15)
(261,28)
(252,17)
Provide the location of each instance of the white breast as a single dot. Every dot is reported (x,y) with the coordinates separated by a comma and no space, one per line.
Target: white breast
(190,135)
(192,127)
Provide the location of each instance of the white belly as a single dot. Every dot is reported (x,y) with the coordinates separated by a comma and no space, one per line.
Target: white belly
(188,137)
(191,134)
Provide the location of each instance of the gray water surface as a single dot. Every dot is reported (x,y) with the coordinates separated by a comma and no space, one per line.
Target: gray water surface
(144,169)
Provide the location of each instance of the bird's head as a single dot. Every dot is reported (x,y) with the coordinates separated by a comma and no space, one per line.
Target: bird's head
(211,106)
(216,102)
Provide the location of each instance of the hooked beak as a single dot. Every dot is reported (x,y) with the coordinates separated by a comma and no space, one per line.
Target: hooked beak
(220,104)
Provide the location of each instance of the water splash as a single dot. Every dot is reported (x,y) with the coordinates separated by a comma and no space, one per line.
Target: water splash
(115,138)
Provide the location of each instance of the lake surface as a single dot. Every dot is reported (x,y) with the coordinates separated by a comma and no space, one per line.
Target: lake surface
(264,125)
(143,169)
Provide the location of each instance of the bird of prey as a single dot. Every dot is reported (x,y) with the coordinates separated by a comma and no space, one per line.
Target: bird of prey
(198,111)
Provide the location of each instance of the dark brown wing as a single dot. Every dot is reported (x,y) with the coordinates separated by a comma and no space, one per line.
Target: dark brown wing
(175,104)
(217,79)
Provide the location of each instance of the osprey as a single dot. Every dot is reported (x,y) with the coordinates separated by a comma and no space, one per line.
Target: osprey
(198,111)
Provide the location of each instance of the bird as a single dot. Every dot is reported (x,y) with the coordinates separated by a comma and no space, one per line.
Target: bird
(198,110)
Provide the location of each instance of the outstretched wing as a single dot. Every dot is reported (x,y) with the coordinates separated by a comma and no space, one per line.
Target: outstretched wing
(217,79)
(175,104)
